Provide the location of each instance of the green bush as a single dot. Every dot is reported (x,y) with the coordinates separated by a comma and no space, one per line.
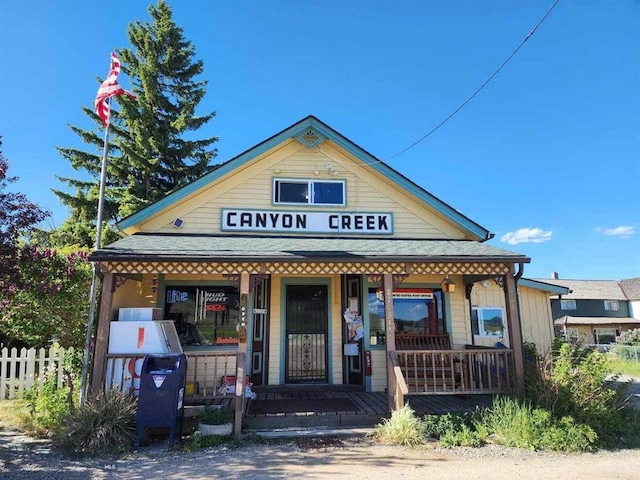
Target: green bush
(48,405)
(438,425)
(216,416)
(403,428)
(629,337)
(103,424)
(581,386)
(465,436)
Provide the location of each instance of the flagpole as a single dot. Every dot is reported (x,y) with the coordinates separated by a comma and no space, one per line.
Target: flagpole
(94,279)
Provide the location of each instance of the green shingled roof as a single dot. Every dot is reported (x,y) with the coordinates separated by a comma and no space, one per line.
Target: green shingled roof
(147,246)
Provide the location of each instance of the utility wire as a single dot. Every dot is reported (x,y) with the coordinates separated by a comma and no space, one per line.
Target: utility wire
(433,130)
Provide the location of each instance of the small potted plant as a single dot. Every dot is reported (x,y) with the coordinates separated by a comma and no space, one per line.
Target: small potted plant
(216,420)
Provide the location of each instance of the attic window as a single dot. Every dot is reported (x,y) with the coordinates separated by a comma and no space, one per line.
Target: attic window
(308,192)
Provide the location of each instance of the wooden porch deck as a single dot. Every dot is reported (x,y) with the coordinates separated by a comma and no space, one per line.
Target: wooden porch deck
(295,407)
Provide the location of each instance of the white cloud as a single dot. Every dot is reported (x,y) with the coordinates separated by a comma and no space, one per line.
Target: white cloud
(527,235)
(623,231)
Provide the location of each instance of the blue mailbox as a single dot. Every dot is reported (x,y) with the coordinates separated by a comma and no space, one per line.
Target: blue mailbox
(161,396)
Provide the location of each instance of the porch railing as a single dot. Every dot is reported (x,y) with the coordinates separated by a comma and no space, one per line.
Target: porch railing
(447,372)
(206,372)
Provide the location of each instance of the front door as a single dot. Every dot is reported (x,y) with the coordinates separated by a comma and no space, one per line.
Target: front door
(260,333)
(307,323)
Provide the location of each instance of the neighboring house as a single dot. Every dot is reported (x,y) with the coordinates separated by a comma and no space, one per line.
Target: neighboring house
(299,261)
(596,311)
(631,289)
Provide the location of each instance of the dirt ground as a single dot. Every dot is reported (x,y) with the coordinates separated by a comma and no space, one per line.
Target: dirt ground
(317,458)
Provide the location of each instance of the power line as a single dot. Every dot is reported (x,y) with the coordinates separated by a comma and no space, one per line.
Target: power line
(434,129)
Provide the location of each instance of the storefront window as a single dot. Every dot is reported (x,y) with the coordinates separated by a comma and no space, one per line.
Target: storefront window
(204,315)
(416,310)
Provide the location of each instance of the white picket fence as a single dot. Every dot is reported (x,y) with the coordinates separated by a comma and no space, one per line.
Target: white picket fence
(21,369)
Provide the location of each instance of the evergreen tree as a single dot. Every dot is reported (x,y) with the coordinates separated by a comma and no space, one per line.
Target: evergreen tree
(149,154)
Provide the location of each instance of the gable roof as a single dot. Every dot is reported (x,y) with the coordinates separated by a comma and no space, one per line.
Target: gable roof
(325,132)
(237,248)
(631,288)
(591,289)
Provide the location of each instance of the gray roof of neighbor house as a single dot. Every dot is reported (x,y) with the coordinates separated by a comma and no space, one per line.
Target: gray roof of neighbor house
(590,289)
(569,320)
(631,288)
(192,247)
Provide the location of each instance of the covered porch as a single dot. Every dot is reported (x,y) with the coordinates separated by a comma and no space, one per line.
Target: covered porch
(402,366)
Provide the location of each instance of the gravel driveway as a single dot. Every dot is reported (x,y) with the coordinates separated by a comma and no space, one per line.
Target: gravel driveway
(316,458)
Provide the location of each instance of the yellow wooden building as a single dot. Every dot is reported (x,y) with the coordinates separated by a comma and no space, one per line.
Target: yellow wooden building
(306,260)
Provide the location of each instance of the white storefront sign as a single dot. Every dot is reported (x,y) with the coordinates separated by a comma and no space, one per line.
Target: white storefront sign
(306,222)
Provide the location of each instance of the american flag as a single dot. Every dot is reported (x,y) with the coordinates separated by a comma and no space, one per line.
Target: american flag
(109,88)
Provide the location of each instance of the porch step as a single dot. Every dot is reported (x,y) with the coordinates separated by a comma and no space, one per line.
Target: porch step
(313,432)
(297,421)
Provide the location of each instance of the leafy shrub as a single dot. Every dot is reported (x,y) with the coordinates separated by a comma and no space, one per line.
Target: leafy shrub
(438,425)
(216,416)
(582,387)
(48,404)
(465,436)
(403,428)
(106,423)
(629,337)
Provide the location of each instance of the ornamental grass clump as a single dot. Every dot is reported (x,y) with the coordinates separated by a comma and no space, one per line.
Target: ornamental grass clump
(403,428)
(104,424)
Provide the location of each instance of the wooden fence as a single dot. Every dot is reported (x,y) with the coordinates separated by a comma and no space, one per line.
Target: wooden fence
(21,369)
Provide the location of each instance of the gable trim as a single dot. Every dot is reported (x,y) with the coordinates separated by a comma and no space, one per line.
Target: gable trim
(545,287)
(295,130)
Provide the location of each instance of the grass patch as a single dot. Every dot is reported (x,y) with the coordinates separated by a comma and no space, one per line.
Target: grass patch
(624,367)
(13,414)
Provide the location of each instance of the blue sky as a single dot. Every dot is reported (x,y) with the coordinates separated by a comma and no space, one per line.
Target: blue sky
(547,156)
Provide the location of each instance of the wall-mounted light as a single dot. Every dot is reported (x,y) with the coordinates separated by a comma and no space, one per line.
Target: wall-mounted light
(448,285)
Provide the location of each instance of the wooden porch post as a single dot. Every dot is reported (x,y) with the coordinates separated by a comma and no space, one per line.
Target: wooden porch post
(102,335)
(515,329)
(241,360)
(387,286)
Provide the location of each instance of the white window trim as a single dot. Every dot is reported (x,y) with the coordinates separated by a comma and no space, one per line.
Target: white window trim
(310,183)
(481,331)
(611,305)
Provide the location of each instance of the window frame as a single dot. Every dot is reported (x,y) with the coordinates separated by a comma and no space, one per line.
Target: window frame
(609,304)
(275,193)
(477,323)
(564,302)
(597,332)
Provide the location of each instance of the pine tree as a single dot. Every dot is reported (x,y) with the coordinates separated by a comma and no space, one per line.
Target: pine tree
(149,154)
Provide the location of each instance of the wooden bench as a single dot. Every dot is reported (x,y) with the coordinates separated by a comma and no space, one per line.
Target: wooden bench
(427,363)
